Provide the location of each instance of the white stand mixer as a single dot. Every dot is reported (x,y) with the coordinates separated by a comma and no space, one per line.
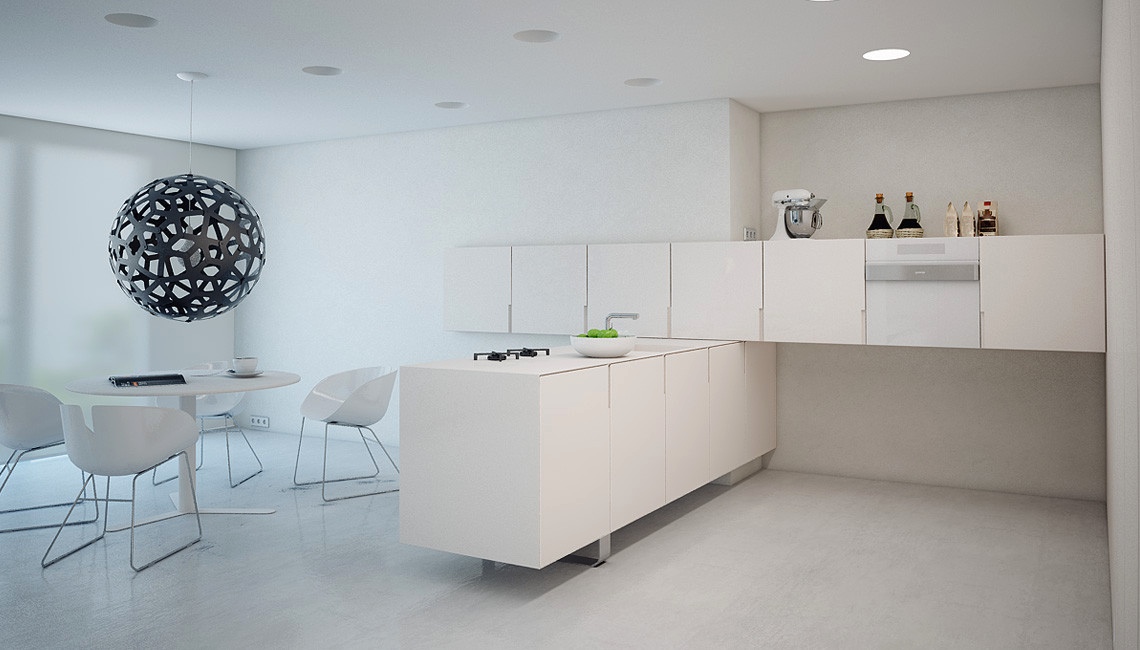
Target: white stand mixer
(797,214)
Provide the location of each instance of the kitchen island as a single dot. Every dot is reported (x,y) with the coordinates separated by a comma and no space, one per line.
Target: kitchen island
(528,460)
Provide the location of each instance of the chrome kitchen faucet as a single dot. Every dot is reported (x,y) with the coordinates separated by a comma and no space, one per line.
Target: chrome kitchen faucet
(610,317)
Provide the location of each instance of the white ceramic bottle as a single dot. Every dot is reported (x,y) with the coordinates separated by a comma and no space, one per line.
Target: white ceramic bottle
(950,227)
(967,221)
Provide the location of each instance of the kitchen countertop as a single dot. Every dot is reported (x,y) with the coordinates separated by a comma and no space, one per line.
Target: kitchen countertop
(565,359)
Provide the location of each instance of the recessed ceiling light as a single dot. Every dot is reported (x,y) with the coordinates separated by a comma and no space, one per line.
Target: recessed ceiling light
(322,70)
(887,54)
(536,36)
(451,104)
(643,82)
(130,20)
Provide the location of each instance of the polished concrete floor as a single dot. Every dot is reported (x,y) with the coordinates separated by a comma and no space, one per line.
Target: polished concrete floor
(781,560)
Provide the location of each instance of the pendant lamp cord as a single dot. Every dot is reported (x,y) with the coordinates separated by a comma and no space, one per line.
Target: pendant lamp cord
(191,143)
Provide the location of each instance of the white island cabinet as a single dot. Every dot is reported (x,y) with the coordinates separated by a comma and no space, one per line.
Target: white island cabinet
(814,291)
(686,422)
(528,460)
(637,439)
(742,395)
(504,466)
(1043,292)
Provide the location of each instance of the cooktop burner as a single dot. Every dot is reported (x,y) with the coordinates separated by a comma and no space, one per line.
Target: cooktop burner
(516,353)
(496,356)
(529,352)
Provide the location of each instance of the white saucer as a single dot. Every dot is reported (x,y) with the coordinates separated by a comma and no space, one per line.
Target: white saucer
(244,375)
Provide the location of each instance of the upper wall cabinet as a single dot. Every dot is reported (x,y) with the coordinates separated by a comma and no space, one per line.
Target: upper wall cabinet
(1043,292)
(813,291)
(629,278)
(477,289)
(548,289)
(717,290)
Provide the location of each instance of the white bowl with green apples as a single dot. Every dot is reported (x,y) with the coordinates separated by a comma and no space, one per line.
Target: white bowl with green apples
(603,344)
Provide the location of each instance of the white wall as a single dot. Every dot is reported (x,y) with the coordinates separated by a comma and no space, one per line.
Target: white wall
(744,147)
(1120,114)
(356,229)
(1024,422)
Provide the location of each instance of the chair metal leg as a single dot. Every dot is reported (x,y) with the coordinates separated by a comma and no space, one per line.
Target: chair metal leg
(383,449)
(229,465)
(201,453)
(197,516)
(45,562)
(324,478)
(325,481)
(7,469)
(297,462)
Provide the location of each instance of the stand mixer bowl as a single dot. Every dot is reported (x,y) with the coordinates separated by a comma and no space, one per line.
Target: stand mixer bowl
(801,220)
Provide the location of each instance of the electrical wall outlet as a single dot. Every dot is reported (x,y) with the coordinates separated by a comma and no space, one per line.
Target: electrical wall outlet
(260,421)
(749,233)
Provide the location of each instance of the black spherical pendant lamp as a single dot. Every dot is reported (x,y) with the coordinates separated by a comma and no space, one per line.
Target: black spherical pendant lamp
(187,247)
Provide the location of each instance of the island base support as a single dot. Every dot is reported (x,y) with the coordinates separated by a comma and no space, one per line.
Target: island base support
(594,554)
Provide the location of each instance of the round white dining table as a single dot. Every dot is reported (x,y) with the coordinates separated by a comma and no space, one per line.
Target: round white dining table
(196,384)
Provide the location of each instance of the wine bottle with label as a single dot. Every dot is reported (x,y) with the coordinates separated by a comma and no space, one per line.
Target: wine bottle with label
(987,219)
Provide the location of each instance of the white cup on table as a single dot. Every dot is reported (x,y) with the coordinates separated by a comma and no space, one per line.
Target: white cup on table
(244,365)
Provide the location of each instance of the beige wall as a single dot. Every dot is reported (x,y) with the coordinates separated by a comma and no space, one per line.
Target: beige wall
(1120,104)
(1035,152)
(1006,420)
(1028,422)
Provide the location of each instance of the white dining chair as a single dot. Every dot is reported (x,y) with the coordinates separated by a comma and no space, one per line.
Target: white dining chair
(29,422)
(217,406)
(356,399)
(127,440)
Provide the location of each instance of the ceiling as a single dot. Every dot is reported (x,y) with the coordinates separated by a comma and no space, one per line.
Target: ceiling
(61,61)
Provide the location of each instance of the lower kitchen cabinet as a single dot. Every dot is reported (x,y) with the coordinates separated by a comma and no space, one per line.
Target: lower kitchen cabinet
(574,472)
(730,439)
(637,439)
(686,422)
(526,461)
(506,467)
(760,382)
